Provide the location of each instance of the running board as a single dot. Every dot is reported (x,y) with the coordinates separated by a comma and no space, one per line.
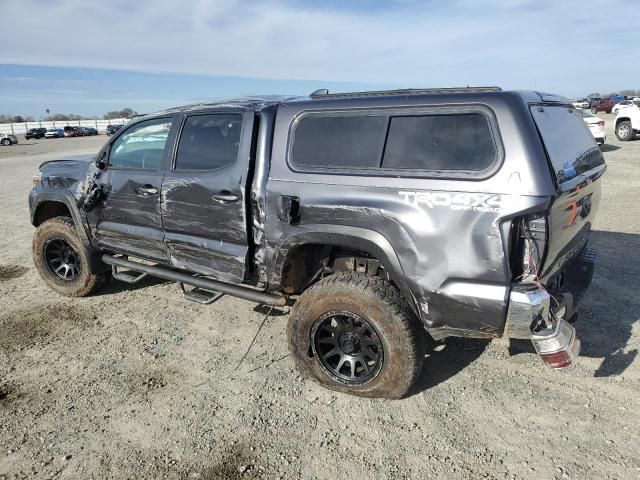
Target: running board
(199,295)
(200,282)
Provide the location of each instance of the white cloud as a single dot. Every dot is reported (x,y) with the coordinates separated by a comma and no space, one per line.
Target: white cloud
(517,43)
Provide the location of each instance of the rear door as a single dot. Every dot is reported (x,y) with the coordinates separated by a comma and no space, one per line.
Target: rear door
(578,165)
(204,209)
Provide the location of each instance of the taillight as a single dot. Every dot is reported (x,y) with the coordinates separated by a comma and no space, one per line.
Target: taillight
(528,247)
(601,123)
(559,348)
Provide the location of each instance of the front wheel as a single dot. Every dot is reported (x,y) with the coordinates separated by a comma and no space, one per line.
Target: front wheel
(624,131)
(594,110)
(355,334)
(5,142)
(62,260)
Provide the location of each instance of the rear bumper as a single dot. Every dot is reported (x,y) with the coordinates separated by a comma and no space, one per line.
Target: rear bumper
(531,309)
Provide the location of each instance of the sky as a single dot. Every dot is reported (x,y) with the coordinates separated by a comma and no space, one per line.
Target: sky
(75,56)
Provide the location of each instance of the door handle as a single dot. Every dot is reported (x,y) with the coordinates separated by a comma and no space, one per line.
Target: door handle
(225,196)
(147,190)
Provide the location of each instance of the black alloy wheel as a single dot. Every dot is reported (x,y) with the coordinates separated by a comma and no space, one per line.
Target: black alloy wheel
(62,259)
(347,347)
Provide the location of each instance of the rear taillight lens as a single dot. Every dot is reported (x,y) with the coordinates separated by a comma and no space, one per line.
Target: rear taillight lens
(601,123)
(559,348)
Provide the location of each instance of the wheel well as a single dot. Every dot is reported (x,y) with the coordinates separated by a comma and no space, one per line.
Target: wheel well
(622,119)
(306,264)
(47,210)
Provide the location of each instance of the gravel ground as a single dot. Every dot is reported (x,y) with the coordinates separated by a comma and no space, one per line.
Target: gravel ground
(136,382)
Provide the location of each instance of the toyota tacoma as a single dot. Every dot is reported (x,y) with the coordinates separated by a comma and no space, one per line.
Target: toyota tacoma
(384,218)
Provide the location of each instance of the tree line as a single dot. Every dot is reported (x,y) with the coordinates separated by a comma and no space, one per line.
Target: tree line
(626,93)
(62,117)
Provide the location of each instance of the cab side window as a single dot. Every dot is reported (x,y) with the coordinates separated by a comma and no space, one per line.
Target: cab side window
(209,142)
(141,146)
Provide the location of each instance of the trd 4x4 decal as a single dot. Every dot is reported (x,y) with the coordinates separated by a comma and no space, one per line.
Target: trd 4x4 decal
(479,202)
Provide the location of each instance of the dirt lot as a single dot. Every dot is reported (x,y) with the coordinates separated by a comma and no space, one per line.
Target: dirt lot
(138,383)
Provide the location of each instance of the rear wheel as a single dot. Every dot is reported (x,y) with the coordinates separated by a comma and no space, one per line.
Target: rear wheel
(355,334)
(624,131)
(62,260)
(5,142)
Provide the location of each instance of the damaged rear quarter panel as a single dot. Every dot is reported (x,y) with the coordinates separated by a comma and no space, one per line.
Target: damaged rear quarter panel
(448,250)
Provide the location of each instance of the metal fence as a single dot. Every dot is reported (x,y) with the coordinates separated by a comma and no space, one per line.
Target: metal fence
(21,128)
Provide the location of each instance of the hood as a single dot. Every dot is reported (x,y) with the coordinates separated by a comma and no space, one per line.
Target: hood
(79,161)
(67,173)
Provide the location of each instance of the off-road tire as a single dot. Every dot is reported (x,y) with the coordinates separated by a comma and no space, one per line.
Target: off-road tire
(63,228)
(379,303)
(627,131)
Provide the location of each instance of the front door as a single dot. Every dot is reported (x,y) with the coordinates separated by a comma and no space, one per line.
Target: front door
(129,219)
(204,195)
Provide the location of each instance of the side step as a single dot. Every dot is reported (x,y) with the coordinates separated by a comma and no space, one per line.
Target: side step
(199,295)
(126,277)
(200,282)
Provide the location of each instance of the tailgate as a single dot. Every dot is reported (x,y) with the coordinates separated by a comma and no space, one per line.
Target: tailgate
(577,165)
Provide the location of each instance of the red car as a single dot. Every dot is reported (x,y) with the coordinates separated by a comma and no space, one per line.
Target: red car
(603,105)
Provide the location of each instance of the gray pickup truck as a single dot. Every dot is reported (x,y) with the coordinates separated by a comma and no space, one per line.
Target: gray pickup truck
(382,217)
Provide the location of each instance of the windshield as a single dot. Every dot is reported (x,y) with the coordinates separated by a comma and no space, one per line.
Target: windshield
(571,148)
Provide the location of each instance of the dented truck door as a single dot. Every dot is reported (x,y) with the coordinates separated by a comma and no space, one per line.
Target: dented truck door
(127,219)
(204,194)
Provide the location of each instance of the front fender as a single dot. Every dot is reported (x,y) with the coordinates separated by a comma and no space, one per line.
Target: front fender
(39,196)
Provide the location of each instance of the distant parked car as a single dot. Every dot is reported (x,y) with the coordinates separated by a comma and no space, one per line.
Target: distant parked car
(73,131)
(54,133)
(581,103)
(593,101)
(86,131)
(625,104)
(603,105)
(35,133)
(111,129)
(8,139)
(595,124)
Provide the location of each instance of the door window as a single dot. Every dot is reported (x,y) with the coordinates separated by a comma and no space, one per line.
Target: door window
(141,146)
(209,142)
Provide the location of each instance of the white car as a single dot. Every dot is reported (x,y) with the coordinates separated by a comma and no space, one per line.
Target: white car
(54,133)
(595,124)
(8,139)
(581,103)
(625,104)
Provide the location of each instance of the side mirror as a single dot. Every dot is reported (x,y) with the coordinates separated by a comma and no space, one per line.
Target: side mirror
(101,163)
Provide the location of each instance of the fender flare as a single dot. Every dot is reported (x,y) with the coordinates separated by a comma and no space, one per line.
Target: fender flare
(66,198)
(363,239)
(82,228)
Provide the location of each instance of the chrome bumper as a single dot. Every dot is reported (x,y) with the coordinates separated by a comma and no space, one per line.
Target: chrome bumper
(526,309)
